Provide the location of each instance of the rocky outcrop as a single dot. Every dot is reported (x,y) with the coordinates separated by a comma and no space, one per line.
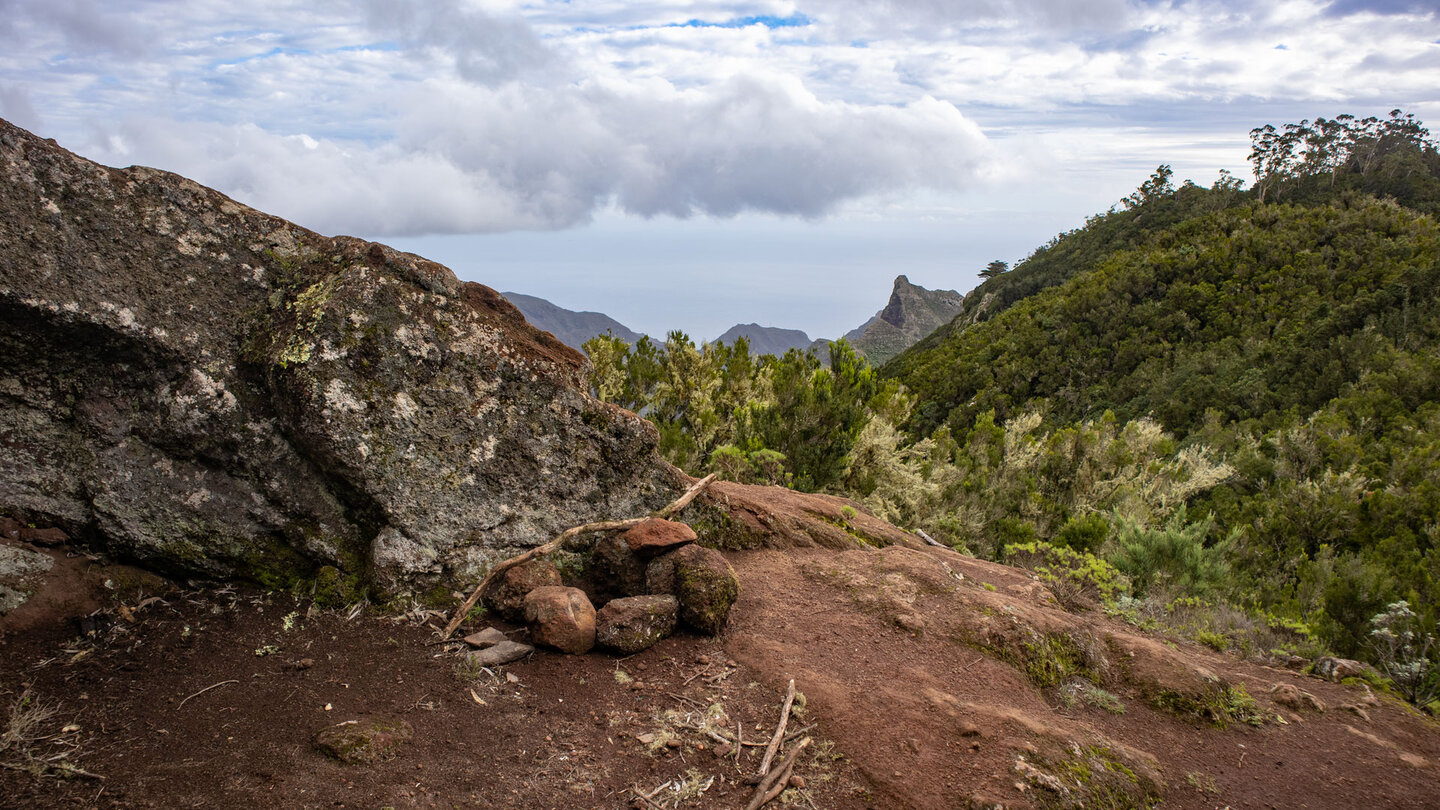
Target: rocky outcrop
(911,313)
(205,389)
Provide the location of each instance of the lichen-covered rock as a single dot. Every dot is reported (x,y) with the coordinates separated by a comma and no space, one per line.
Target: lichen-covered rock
(615,570)
(635,623)
(506,593)
(21,573)
(702,581)
(208,390)
(562,618)
(657,536)
(364,743)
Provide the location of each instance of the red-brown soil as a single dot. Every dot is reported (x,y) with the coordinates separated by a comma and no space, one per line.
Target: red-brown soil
(882,645)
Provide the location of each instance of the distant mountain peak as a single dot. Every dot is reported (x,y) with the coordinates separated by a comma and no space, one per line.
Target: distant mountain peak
(911,313)
(766,339)
(570,327)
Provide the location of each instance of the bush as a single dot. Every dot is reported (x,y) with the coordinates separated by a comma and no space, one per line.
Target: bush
(1077,579)
(1172,559)
(1405,653)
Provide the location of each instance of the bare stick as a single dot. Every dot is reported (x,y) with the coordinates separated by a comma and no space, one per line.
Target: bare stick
(203,691)
(928,539)
(774,784)
(603,526)
(779,730)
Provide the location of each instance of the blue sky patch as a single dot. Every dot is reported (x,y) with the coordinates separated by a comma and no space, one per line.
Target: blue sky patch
(768,20)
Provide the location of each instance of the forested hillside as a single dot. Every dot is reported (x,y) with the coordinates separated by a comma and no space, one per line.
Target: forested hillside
(1214,410)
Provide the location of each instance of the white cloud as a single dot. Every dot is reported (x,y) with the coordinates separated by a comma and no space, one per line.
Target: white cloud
(385,116)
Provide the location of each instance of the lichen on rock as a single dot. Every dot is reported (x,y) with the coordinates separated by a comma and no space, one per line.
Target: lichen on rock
(211,391)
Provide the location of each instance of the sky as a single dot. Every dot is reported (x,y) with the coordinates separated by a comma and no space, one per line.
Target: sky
(695,164)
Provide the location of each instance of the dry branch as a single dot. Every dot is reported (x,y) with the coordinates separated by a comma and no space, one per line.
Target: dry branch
(602,526)
(779,730)
(774,784)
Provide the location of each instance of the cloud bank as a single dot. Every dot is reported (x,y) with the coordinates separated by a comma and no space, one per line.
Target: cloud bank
(455,116)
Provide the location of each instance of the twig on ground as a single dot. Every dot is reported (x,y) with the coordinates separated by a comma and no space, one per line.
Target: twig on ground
(774,784)
(608,525)
(928,539)
(203,691)
(774,745)
(796,734)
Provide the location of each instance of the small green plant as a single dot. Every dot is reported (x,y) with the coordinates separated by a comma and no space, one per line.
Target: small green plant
(267,649)
(1083,692)
(848,512)
(987,586)
(1214,641)
(1223,706)
(288,622)
(1201,782)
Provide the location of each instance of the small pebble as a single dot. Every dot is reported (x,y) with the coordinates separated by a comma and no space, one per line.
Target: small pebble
(672,743)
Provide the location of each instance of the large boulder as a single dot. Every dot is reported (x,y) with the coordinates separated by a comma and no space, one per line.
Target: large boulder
(562,618)
(209,390)
(702,581)
(635,623)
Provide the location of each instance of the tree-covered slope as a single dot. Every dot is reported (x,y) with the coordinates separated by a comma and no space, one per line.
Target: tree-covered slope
(1249,311)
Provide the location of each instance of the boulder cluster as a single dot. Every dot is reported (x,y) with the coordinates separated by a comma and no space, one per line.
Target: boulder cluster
(646,580)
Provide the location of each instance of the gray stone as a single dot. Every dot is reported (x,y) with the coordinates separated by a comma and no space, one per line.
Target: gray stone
(209,390)
(502,653)
(22,571)
(488,637)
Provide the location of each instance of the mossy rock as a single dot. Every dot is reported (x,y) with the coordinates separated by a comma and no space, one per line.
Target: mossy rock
(702,581)
(364,743)
(334,589)
(636,623)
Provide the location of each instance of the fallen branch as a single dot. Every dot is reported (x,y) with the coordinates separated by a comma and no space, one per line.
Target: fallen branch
(603,526)
(203,691)
(774,784)
(927,538)
(779,730)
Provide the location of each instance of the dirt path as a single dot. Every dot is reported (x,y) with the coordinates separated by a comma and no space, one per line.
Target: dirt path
(936,724)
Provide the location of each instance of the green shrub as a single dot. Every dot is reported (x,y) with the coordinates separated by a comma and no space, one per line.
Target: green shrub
(1078,579)
(1173,559)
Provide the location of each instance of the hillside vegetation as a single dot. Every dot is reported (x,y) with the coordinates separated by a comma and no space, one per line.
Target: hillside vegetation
(1213,410)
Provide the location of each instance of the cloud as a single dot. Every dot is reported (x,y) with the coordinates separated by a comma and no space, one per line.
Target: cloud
(81,25)
(16,108)
(942,19)
(1342,8)
(478,159)
(486,48)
